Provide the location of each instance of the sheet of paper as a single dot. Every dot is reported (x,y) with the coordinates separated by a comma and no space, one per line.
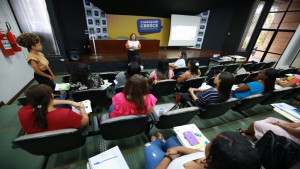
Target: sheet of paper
(62,86)
(87,106)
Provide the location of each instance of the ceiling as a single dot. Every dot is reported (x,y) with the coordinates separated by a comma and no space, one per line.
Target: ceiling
(158,8)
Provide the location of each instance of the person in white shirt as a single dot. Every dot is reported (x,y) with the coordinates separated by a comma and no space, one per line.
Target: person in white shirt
(133,45)
(225,150)
(180,62)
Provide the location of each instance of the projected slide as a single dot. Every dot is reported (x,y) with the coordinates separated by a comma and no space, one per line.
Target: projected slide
(184,30)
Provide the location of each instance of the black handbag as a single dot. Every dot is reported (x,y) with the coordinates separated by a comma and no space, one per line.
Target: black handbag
(277,152)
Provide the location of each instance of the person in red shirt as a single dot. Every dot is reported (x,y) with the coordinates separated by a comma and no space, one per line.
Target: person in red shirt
(41,115)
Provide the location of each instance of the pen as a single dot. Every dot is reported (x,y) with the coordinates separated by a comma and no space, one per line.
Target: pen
(99,162)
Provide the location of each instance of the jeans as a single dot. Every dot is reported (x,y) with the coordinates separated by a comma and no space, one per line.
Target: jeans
(178,74)
(111,108)
(155,151)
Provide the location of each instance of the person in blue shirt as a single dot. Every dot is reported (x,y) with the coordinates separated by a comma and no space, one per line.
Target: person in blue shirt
(265,84)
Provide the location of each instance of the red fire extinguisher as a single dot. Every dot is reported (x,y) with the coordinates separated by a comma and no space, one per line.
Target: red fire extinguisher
(5,45)
(12,39)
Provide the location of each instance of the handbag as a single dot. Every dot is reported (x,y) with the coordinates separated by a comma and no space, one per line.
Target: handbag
(277,152)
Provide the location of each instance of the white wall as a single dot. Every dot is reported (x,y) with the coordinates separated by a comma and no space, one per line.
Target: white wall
(15,73)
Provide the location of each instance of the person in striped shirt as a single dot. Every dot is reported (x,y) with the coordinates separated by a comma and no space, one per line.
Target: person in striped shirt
(220,93)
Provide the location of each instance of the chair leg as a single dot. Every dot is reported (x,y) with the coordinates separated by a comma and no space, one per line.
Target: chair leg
(45,161)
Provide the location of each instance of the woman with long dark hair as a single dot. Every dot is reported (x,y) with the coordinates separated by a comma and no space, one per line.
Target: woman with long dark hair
(162,71)
(181,62)
(41,115)
(226,150)
(265,84)
(191,73)
(224,82)
(135,99)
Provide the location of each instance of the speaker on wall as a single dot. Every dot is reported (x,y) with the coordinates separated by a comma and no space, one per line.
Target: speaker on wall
(74,54)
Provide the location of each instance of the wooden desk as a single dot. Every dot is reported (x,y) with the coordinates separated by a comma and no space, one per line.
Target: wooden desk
(117,47)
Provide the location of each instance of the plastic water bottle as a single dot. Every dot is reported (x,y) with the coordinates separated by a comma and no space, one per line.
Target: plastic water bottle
(161,111)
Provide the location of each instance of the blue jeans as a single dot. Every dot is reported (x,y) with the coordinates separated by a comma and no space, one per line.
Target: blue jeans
(155,151)
(178,74)
(111,108)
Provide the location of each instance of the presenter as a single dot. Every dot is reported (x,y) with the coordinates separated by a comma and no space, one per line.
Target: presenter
(36,59)
(133,45)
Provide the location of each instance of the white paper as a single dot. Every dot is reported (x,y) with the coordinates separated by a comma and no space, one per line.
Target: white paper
(87,107)
(204,86)
(62,86)
(106,85)
(288,109)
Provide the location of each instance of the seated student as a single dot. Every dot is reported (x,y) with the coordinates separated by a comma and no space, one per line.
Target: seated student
(280,127)
(264,84)
(134,100)
(81,78)
(137,59)
(226,150)
(180,62)
(220,93)
(191,73)
(295,81)
(41,115)
(121,78)
(162,72)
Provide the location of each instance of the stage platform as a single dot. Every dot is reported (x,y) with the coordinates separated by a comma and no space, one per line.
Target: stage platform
(113,62)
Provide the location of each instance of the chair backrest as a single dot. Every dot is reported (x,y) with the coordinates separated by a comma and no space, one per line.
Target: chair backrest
(145,74)
(203,70)
(180,69)
(268,65)
(239,78)
(257,66)
(213,110)
(294,93)
(40,143)
(163,87)
(276,95)
(96,96)
(194,83)
(66,79)
(232,68)
(247,66)
(249,102)
(121,127)
(217,67)
(176,117)
(110,76)
(282,73)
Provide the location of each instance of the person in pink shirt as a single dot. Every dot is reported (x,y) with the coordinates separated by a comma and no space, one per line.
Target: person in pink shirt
(162,72)
(135,99)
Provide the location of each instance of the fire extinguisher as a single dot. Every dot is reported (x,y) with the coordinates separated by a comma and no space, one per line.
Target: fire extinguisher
(12,39)
(5,45)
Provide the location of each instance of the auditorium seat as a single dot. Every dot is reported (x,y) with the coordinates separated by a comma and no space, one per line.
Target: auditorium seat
(110,76)
(257,66)
(173,118)
(96,96)
(203,70)
(276,95)
(123,126)
(213,110)
(294,93)
(248,102)
(239,78)
(268,65)
(163,87)
(180,69)
(66,79)
(232,68)
(247,66)
(41,143)
(219,68)
(283,72)
(193,83)
(145,74)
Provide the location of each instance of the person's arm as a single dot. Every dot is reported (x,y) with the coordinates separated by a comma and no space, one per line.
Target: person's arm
(53,78)
(182,150)
(191,91)
(166,161)
(85,118)
(139,47)
(150,110)
(37,70)
(172,65)
(72,103)
(182,77)
(282,84)
(127,46)
(242,88)
(290,130)
(149,79)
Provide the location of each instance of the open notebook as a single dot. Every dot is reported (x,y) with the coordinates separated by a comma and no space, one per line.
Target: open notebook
(87,106)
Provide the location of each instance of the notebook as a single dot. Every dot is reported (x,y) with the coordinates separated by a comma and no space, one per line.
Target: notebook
(62,86)
(87,106)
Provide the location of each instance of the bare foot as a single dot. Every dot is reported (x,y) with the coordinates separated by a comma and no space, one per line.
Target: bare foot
(153,138)
(160,136)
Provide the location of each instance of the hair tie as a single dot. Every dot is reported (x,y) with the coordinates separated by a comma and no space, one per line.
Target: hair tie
(197,64)
(39,106)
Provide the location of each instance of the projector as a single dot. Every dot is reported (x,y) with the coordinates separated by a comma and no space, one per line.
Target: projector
(238,58)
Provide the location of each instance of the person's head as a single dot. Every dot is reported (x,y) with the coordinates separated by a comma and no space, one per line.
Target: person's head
(30,41)
(230,150)
(80,73)
(39,97)
(135,89)
(162,69)
(133,68)
(224,82)
(136,58)
(182,55)
(133,37)
(268,76)
(194,67)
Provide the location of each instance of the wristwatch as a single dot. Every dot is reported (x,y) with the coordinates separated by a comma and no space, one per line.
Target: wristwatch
(169,157)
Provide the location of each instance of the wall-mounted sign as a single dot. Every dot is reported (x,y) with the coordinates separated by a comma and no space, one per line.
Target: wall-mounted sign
(149,26)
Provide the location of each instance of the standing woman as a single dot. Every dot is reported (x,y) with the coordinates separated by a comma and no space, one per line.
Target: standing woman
(133,45)
(36,59)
